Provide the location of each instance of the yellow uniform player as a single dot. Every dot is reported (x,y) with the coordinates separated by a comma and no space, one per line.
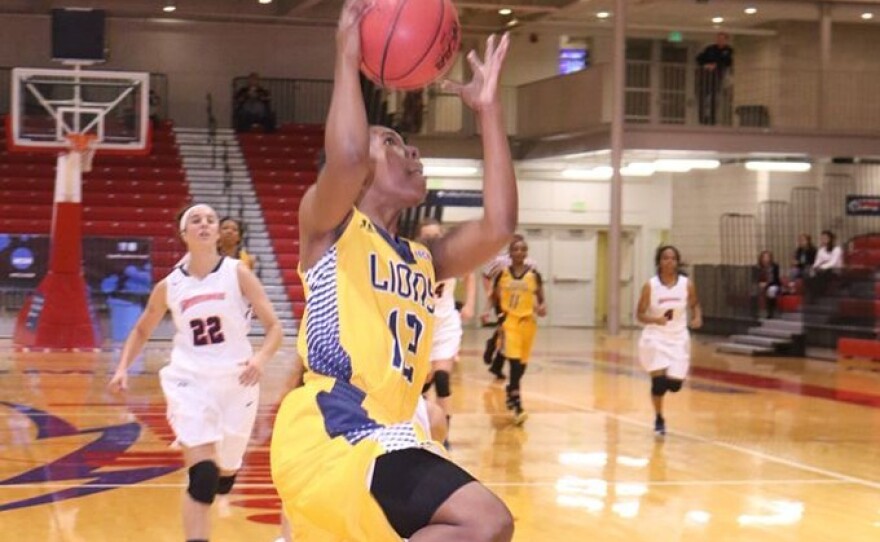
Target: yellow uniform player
(519,298)
(348,461)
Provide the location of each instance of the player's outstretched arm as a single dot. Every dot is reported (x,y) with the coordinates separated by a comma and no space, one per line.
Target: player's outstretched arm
(464,248)
(694,307)
(253,291)
(346,142)
(140,334)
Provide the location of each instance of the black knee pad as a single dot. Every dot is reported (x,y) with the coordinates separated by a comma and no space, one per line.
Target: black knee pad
(441,382)
(204,479)
(224,485)
(658,385)
(674,385)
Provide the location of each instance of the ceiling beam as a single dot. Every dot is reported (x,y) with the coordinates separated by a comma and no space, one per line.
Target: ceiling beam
(303,6)
(283,7)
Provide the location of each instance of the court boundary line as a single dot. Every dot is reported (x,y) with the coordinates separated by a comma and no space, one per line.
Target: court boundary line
(734,447)
(659,483)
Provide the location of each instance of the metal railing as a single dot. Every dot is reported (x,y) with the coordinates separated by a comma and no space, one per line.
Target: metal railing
(663,93)
(304,101)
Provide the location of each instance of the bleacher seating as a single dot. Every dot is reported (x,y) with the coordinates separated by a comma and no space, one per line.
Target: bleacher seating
(123,195)
(282,167)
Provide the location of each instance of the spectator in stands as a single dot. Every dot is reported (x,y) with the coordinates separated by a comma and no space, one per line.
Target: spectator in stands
(804,256)
(829,256)
(253,106)
(767,277)
(230,242)
(716,65)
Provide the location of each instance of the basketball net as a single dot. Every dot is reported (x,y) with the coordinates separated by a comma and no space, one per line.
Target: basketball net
(85,146)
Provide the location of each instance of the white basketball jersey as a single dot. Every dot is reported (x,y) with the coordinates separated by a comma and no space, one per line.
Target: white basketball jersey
(670,302)
(444,300)
(212,318)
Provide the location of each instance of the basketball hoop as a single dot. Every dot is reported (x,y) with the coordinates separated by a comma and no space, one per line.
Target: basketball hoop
(85,145)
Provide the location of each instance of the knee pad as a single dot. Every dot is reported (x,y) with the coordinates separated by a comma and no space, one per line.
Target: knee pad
(204,479)
(658,385)
(441,382)
(224,485)
(674,385)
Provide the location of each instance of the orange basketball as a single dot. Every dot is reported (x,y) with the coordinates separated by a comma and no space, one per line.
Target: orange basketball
(408,44)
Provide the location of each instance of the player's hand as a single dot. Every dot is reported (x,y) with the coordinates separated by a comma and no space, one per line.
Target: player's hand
(696,322)
(660,321)
(348,32)
(467,312)
(541,310)
(482,90)
(253,371)
(119,382)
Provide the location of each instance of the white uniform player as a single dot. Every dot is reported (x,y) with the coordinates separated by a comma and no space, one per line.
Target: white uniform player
(206,402)
(667,346)
(211,383)
(447,322)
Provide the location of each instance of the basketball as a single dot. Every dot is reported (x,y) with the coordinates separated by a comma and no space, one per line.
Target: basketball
(408,44)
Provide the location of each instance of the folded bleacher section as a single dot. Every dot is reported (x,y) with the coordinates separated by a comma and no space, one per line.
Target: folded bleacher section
(282,166)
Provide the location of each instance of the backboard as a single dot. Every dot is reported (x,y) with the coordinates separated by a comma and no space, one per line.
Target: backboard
(49,104)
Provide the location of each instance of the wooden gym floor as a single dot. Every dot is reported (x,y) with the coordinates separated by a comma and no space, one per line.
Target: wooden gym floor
(763,449)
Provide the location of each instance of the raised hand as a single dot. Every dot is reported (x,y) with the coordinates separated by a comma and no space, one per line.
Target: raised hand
(482,90)
(348,32)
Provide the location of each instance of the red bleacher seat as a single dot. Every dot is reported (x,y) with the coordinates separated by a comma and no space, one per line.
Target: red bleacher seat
(283,231)
(287,261)
(789,303)
(26,211)
(281,217)
(25,225)
(296,293)
(174,201)
(26,196)
(858,348)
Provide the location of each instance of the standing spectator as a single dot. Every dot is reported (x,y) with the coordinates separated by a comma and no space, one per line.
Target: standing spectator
(716,63)
(767,276)
(829,256)
(804,256)
(253,106)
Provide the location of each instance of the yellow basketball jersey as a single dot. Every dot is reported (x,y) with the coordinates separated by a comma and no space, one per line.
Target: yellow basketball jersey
(369,318)
(518,295)
(365,339)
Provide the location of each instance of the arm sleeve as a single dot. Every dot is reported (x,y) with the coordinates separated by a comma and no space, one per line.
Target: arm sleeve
(836,259)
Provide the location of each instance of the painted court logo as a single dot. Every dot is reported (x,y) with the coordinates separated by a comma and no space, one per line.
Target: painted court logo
(100,465)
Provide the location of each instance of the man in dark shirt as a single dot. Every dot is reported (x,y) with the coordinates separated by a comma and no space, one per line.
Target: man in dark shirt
(716,62)
(253,106)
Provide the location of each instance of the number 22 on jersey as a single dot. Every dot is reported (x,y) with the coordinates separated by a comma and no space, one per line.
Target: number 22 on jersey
(207,331)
